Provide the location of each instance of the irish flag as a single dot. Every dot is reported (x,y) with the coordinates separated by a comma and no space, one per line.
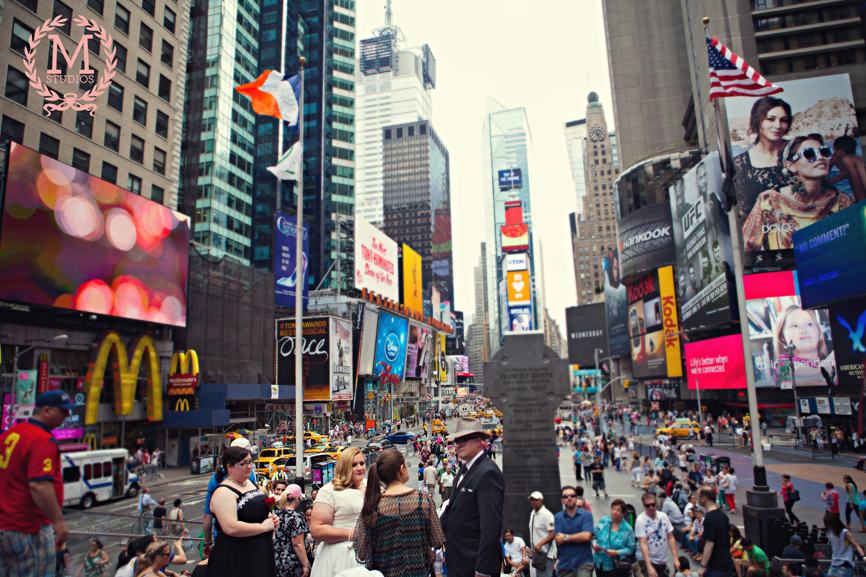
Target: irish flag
(275,94)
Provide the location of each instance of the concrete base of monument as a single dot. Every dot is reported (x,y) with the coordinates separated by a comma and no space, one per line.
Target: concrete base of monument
(762,506)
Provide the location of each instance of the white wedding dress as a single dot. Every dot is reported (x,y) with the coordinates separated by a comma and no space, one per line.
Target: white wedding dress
(332,558)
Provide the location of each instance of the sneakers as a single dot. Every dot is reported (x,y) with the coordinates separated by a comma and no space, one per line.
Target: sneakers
(606,496)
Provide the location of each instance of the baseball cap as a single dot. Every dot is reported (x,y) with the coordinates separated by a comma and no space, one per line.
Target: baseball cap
(796,540)
(536,495)
(293,491)
(243,443)
(56,398)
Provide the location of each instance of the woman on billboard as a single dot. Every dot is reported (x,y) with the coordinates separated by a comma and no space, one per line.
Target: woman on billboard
(758,169)
(780,211)
(803,328)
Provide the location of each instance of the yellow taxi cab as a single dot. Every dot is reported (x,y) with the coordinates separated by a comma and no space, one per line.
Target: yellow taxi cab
(679,429)
(313,436)
(439,427)
(498,413)
(325,448)
(267,456)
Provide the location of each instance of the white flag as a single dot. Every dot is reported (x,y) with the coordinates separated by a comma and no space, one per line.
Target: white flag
(289,166)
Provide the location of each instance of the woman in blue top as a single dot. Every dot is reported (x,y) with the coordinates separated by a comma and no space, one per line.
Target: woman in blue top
(614,539)
(576,455)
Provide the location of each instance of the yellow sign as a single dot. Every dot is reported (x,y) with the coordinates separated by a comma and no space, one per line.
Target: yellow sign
(90,439)
(125,376)
(370,396)
(185,359)
(413,288)
(519,289)
(669,322)
(182,405)
(441,363)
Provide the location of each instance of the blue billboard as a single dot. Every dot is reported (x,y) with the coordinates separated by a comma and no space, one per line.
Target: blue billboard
(286,266)
(391,345)
(510,178)
(829,254)
(520,319)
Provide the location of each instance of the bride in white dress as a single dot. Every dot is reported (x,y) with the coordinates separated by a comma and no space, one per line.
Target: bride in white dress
(335,514)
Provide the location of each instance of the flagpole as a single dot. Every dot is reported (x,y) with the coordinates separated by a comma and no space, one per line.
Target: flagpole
(760,473)
(300,462)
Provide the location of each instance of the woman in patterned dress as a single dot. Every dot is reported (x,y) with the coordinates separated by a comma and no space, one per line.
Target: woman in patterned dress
(614,539)
(335,513)
(758,169)
(779,212)
(244,523)
(289,546)
(399,528)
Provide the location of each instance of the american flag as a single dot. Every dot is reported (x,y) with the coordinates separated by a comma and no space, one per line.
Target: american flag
(730,75)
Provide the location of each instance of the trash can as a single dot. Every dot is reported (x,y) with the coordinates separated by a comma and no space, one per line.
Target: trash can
(195,466)
(714,462)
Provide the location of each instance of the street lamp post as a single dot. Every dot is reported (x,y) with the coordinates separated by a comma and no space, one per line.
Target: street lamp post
(789,347)
(15,366)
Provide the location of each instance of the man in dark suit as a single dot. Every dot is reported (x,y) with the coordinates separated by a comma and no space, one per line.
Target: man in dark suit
(472,519)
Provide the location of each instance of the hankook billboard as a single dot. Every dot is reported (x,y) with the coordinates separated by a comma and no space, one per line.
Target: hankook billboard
(646,241)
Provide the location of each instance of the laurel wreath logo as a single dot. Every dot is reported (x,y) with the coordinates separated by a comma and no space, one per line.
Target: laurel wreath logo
(71,99)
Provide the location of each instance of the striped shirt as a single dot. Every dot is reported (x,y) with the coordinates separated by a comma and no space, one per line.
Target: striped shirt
(842,551)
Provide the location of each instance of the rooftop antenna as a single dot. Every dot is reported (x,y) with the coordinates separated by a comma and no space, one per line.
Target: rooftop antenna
(389,29)
(388,14)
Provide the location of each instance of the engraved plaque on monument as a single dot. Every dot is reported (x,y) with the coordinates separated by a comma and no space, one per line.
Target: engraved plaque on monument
(527,381)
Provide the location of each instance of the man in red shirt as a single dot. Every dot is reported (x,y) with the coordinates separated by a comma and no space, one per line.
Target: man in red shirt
(32,488)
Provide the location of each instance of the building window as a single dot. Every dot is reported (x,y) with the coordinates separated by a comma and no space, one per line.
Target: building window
(136,149)
(399,133)
(11,130)
(145,37)
(96,5)
(112,136)
(846,57)
(80,160)
(84,123)
(109,173)
(411,131)
(139,111)
(56,115)
(388,134)
(17,86)
(61,9)
(164,90)
(168,19)
(142,74)
(115,96)
(810,62)
(159,160)
(49,146)
(157,194)
(149,6)
(20,36)
(161,124)
(167,56)
(86,82)
(31,5)
(121,19)
(768,68)
(120,57)
(133,184)
(423,129)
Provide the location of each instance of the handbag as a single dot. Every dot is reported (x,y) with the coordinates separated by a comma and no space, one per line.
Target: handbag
(539,560)
(620,565)
(794,495)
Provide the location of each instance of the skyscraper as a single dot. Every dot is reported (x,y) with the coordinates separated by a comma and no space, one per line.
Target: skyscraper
(393,87)
(575,139)
(133,137)
(595,223)
(506,144)
(478,347)
(417,200)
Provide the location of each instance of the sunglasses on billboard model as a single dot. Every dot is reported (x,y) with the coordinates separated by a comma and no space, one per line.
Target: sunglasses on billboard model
(811,153)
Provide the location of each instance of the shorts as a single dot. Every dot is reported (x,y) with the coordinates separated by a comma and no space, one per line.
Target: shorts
(684,469)
(840,571)
(598,486)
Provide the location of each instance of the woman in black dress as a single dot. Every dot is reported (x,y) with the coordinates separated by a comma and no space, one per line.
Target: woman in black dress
(243,521)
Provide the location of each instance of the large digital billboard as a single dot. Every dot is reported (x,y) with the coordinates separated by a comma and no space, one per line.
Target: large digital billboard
(73,241)
(316,362)
(616,304)
(848,325)
(716,363)
(645,240)
(829,254)
(670,325)
(391,345)
(587,331)
(413,287)
(646,327)
(519,288)
(515,237)
(286,267)
(418,352)
(341,360)
(375,261)
(776,317)
(510,178)
(520,319)
(813,125)
(702,237)
(368,341)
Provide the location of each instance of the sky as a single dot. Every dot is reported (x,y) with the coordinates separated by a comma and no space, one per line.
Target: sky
(545,60)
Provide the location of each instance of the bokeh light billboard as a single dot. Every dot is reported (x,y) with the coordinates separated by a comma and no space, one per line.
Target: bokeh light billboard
(73,241)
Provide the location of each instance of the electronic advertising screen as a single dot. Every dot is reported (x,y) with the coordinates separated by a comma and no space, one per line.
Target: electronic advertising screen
(286,266)
(316,361)
(587,331)
(702,237)
(515,237)
(341,360)
(391,345)
(813,123)
(661,391)
(776,317)
(375,261)
(368,341)
(510,178)
(616,304)
(520,319)
(848,325)
(418,352)
(73,241)
(413,287)
(716,363)
(646,327)
(645,240)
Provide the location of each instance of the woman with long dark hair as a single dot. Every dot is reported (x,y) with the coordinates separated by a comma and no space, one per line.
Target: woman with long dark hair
(758,169)
(843,546)
(785,493)
(398,528)
(780,211)
(853,502)
(243,521)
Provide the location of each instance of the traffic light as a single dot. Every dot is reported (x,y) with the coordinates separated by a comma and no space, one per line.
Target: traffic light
(625,384)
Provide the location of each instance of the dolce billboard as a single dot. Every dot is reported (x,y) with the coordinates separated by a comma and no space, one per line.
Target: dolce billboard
(646,240)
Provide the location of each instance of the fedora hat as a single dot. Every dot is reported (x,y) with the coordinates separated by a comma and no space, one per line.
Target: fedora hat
(467,426)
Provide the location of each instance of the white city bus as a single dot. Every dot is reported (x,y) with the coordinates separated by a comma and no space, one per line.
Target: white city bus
(91,477)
